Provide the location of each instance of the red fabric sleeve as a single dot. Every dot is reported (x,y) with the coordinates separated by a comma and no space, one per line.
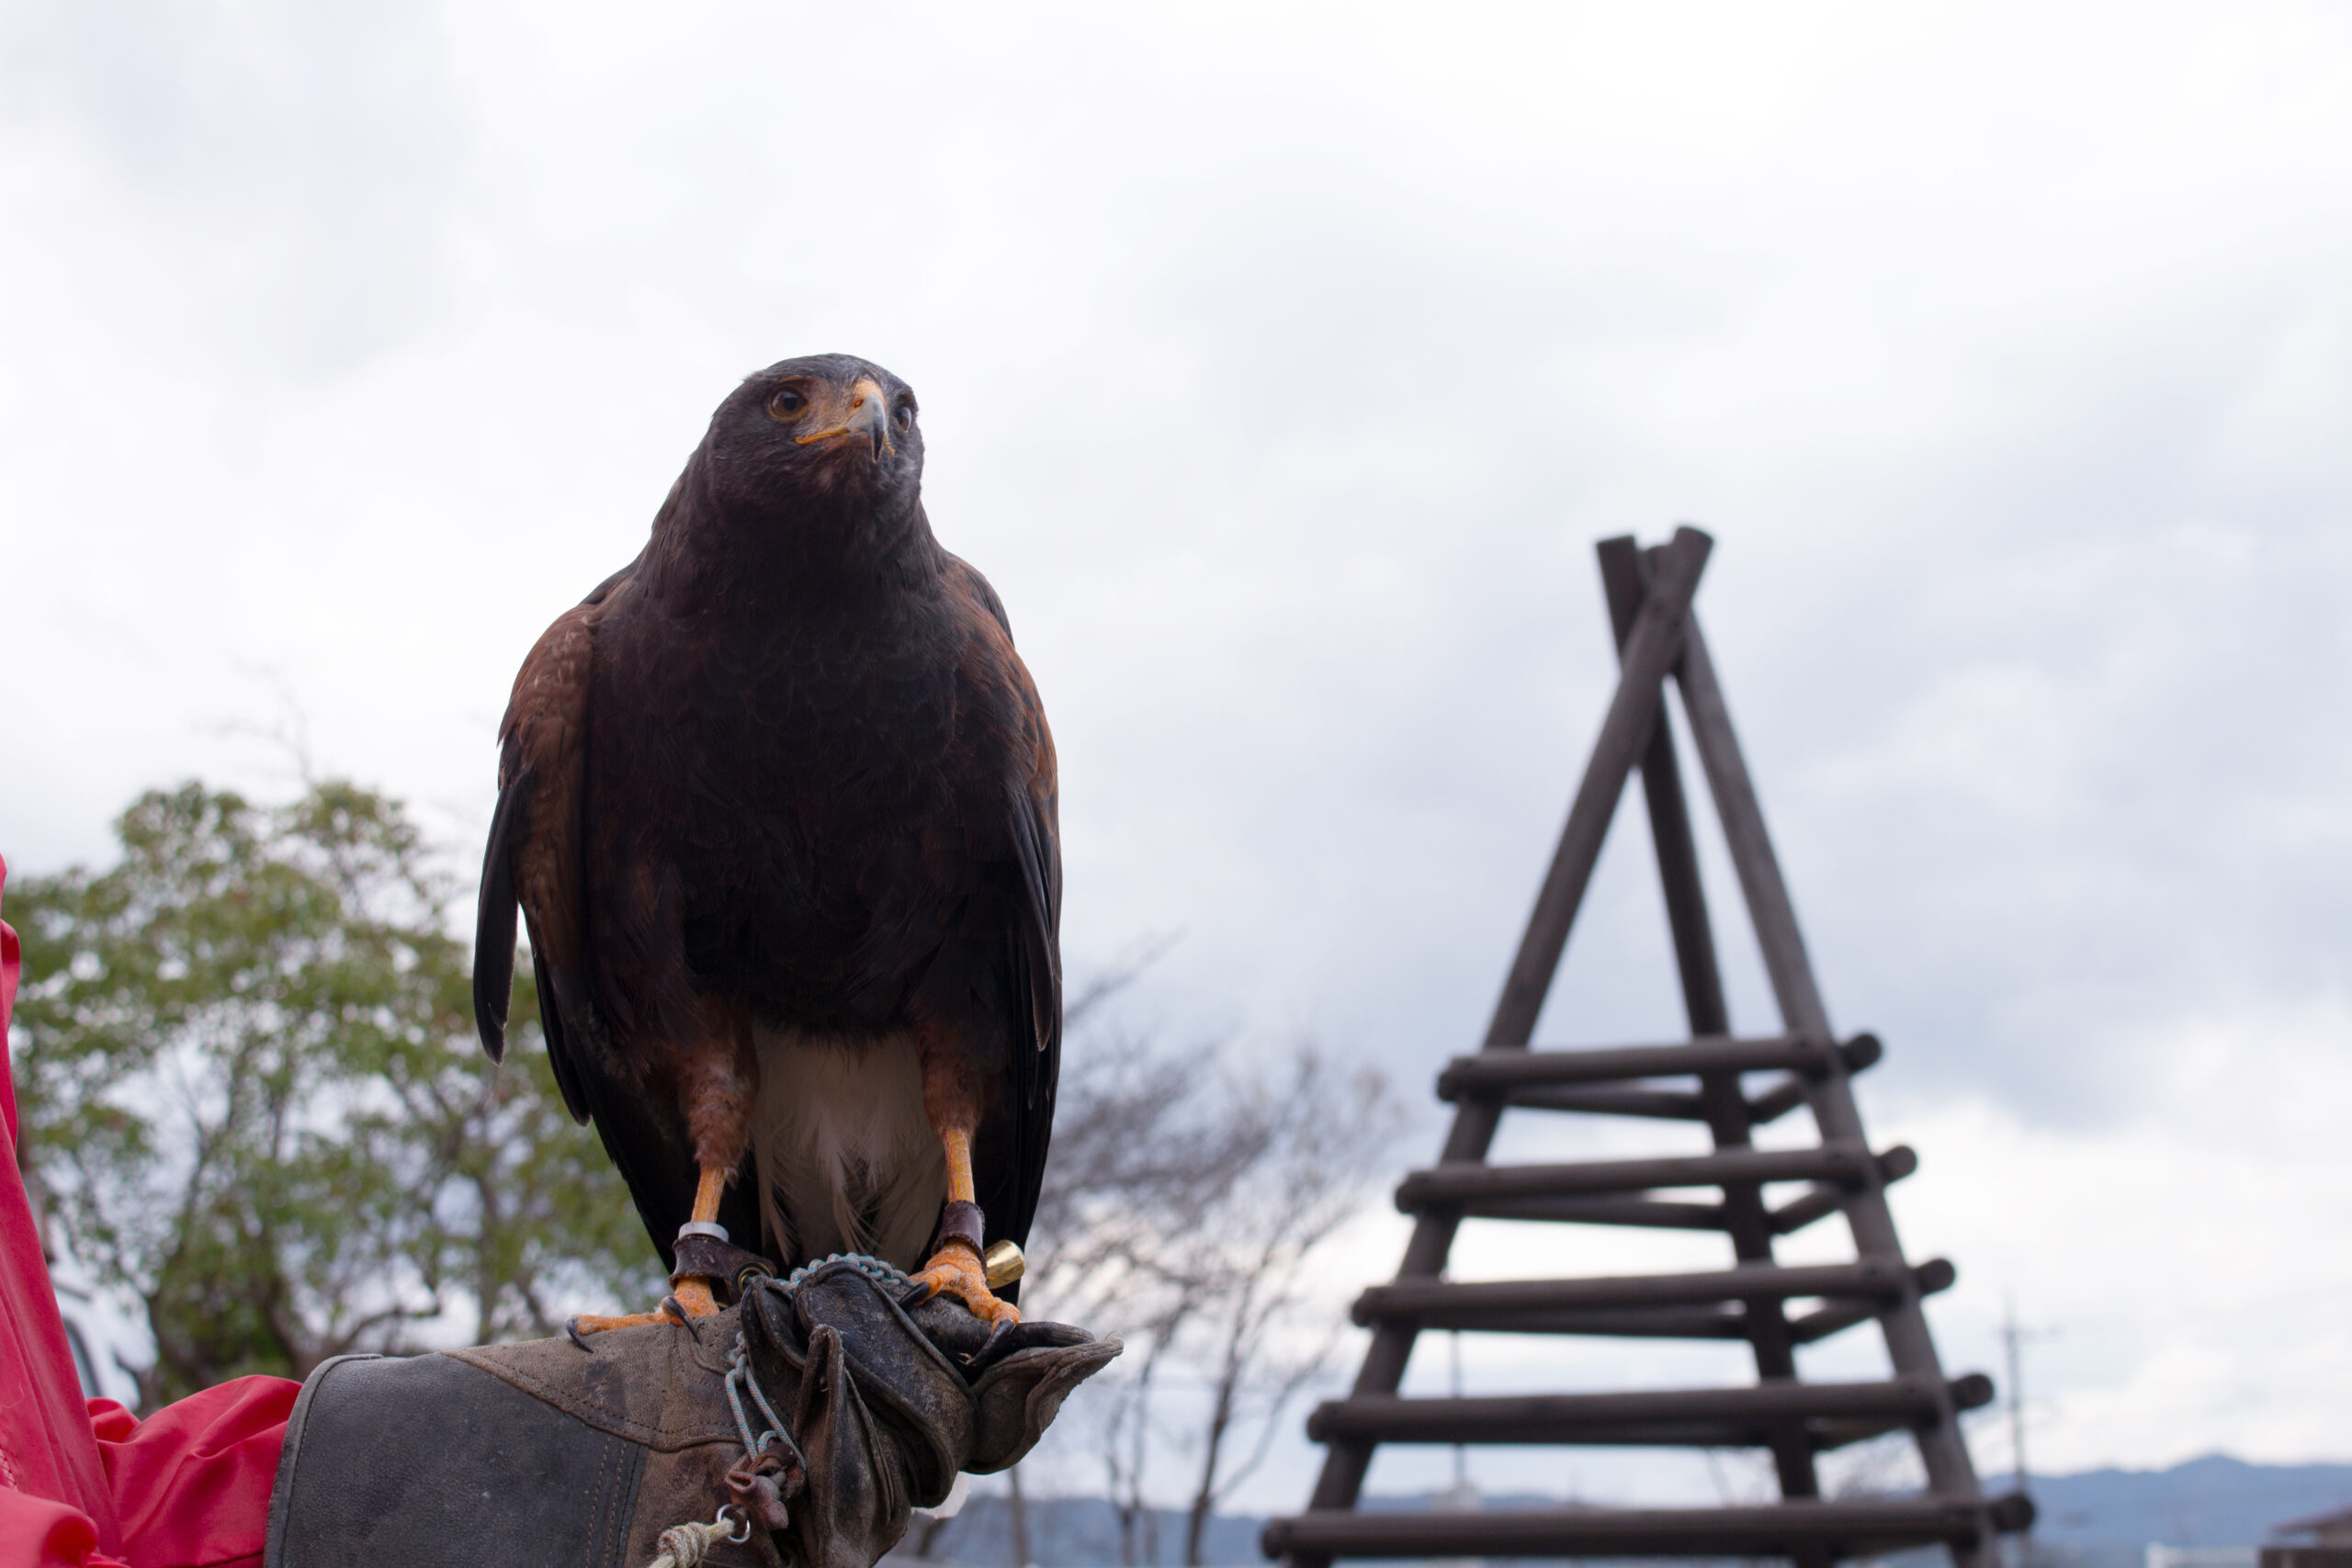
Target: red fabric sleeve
(38,1532)
(47,1457)
(85,1485)
(191,1482)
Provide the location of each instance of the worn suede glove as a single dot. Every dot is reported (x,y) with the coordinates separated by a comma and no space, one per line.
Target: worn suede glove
(545,1452)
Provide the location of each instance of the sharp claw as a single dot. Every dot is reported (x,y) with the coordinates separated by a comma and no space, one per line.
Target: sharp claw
(923,1290)
(1004,1325)
(672,1307)
(572,1329)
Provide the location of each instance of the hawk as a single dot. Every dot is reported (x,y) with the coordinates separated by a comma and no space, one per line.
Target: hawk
(778,802)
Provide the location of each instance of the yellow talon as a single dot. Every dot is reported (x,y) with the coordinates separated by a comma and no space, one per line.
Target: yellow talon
(956,1271)
(693,1294)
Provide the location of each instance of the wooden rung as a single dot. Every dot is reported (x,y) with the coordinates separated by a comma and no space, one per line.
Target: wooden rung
(1445,1303)
(1650,1212)
(1703,1417)
(1652,1323)
(1448,1186)
(1775,1529)
(1683,1105)
(1783,1097)
(1824,1199)
(1816,1202)
(1665,1104)
(1836,1316)
(1500,1072)
(1676,1104)
(1697,1323)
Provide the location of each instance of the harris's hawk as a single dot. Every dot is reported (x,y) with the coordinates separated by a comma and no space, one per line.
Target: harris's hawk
(778,801)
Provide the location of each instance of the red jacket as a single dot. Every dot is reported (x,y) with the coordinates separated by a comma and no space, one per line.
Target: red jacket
(84,1481)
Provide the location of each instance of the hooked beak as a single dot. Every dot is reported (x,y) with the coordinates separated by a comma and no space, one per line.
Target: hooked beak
(868,416)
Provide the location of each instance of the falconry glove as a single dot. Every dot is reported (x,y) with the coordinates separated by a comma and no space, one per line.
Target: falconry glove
(809,1419)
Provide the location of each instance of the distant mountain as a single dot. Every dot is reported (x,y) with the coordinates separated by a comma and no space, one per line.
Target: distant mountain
(2096,1519)
(2213,1501)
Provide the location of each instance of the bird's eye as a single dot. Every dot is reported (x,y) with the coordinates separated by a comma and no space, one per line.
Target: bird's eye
(906,416)
(786,403)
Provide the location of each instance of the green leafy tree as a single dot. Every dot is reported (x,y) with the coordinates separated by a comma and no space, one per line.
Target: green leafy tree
(250,1093)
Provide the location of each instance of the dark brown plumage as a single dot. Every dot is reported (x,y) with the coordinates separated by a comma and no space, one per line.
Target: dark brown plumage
(777,801)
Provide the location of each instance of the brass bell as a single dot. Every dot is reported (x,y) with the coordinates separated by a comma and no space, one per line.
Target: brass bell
(1003,1263)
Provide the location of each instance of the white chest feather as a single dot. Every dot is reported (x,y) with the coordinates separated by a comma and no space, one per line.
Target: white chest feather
(847,1160)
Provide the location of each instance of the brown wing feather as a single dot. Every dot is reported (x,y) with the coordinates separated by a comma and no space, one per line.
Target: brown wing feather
(544,734)
(534,855)
(1033,949)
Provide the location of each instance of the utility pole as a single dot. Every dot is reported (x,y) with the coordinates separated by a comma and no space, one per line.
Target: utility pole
(2010,1336)
(2013,1340)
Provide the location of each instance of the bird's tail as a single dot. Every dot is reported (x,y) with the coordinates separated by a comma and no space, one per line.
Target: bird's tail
(844,1154)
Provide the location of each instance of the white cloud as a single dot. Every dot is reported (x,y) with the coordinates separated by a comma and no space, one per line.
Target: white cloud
(2179,1255)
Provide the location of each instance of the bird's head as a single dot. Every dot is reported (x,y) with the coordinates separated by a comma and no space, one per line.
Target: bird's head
(829,434)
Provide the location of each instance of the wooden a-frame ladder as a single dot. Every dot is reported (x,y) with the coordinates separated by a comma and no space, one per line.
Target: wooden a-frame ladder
(1649,593)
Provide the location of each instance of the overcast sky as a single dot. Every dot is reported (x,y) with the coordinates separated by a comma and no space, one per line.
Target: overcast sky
(1281,367)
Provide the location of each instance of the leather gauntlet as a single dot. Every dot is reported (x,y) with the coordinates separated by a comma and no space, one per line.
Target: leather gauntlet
(822,1412)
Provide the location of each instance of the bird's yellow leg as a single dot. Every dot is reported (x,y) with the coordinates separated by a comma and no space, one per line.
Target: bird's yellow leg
(956,1268)
(691,1294)
(957,1142)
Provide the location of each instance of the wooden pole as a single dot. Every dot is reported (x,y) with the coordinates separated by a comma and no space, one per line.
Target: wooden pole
(1908,1344)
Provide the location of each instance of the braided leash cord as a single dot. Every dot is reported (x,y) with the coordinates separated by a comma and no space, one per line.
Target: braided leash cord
(683,1545)
(887,1276)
